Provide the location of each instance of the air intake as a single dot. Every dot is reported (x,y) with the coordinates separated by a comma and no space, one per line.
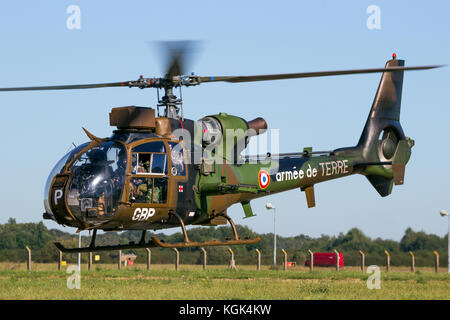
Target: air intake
(132,117)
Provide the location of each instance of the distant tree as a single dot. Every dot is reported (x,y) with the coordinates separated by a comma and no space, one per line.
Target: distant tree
(15,236)
(353,240)
(413,241)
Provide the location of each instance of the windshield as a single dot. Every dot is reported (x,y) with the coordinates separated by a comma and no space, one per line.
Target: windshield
(97,181)
(58,169)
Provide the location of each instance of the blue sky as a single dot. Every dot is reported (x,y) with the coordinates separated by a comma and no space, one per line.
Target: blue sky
(239,38)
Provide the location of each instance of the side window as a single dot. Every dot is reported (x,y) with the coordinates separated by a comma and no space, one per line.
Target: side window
(159,190)
(141,190)
(154,146)
(150,158)
(159,163)
(149,168)
(148,190)
(177,156)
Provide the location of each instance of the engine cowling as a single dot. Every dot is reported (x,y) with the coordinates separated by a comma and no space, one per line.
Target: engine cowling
(227,136)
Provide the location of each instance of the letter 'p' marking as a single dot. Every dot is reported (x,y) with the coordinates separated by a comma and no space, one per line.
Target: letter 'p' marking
(58,195)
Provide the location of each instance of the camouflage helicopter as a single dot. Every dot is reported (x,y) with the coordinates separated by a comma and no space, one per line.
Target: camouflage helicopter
(163,171)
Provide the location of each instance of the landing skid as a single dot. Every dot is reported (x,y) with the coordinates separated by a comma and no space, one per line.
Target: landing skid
(155,242)
(130,245)
(211,243)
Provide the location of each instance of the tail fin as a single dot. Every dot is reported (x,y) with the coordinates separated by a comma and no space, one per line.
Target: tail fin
(385,111)
(382,139)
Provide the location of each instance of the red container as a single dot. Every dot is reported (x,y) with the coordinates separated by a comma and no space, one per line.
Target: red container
(290,264)
(326,259)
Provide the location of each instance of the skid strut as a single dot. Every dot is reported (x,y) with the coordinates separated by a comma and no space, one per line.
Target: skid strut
(188,244)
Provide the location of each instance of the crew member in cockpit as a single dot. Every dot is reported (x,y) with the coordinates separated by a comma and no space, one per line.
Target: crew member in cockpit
(98,160)
(119,173)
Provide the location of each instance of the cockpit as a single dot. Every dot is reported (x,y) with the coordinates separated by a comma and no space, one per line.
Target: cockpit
(91,182)
(98,175)
(97,172)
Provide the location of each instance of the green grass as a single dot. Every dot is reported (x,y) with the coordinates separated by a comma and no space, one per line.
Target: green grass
(217,282)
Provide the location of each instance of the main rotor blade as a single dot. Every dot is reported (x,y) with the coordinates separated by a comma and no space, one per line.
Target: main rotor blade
(266,77)
(195,80)
(68,87)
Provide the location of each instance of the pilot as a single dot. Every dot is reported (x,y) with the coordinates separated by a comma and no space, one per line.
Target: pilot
(146,190)
(156,194)
(143,167)
(118,175)
(147,166)
(134,188)
(98,159)
(141,190)
(133,185)
(97,156)
(159,190)
(122,160)
(101,205)
(140,167)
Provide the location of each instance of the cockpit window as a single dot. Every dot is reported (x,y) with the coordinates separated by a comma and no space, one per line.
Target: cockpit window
(58,168)
(98,176)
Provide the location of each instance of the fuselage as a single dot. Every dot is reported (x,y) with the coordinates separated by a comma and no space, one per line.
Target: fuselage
(194,170)
(135,180)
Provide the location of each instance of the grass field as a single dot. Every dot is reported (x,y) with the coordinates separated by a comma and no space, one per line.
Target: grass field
(217,282)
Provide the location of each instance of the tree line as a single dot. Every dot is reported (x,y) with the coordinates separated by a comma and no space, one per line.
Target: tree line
(15,236)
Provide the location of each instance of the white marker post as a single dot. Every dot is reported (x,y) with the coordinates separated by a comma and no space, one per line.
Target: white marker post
(443,214)
(79,254)
(270,206)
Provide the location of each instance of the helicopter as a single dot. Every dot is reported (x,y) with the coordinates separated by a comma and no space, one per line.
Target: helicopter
(159,171)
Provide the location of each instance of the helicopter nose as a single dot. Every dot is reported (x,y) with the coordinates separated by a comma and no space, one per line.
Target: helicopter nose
(58,200)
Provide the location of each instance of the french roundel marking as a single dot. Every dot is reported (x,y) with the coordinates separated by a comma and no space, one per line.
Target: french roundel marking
(264,179)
